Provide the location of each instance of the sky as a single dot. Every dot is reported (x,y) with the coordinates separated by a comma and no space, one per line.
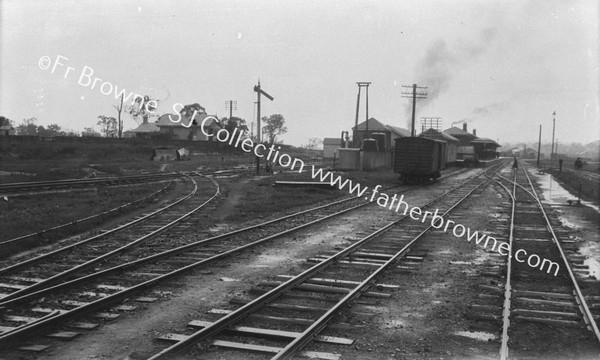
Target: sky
(501,66)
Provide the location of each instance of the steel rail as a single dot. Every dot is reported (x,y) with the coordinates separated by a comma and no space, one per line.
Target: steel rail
(183,248)
(507,285)
(111,231)
(118,296)
(235,316)
(90,181)
(515,183)
(62,182)
(100,303)
(39,324)
(63,275)
(588,317)
(303,339)
(78,221)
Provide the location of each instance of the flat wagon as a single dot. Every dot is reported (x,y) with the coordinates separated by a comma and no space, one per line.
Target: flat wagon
(418,160)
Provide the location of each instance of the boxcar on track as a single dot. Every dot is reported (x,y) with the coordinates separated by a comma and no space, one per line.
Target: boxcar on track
(418,160)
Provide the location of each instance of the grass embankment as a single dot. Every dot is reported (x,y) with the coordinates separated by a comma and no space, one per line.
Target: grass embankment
(53,160)
(25,214)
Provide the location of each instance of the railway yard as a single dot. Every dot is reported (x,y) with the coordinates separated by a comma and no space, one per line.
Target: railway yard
(224,265)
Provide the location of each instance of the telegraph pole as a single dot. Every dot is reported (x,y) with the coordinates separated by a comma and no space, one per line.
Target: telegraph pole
(354,135)
(539,146)
(231,105)
(259,92)
(552,149)
(361,84)
(414,95)
(434,123)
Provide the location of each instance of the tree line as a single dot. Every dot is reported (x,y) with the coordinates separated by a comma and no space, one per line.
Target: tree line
(273,125)
(31,128)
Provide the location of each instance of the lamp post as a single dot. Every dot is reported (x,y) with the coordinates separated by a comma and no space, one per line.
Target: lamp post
(552,150)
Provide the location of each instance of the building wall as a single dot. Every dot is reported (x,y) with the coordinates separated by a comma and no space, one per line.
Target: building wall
(451,152)
(330,150)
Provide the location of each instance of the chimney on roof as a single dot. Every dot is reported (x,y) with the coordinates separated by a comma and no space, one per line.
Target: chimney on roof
(474,132)
(465,126)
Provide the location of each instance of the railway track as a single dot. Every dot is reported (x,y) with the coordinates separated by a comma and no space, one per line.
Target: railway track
(138,269)
(19,277)
(46,233)
(318,294)
(12,188)
(544,303)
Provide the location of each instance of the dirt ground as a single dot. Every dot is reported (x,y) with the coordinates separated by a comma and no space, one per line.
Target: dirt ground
(424,319)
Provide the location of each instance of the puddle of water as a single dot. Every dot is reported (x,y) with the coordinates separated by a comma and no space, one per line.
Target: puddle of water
(592,251)
(226,279)
(477,335)
(461,262)
(554,193)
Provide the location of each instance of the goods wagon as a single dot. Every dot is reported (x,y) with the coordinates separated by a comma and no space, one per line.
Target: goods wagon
(418,159)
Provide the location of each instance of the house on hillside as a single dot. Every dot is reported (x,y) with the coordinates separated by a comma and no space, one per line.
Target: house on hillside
(7,130)
(145,130)
(167,125)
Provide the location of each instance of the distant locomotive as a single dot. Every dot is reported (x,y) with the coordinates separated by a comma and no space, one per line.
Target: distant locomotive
(418,159)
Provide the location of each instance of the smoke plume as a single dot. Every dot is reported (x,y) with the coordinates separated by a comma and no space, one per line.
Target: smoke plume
(440,61)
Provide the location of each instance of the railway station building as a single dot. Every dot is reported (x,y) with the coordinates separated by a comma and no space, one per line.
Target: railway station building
(451,143)
(462,135)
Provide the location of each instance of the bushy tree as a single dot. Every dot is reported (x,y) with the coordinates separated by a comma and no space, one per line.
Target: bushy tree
(108,125)
(142,108)
(274,126)
(5,121)
(27,127)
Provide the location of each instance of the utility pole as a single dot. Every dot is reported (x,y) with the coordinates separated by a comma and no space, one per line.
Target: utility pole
(434,123)
(539,146)
(259,92)
(231,105)
(354,135)
(552,149)
(414,95)
(360,85)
